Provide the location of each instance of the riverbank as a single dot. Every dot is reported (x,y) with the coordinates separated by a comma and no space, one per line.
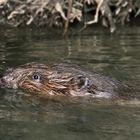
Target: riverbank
(65,13)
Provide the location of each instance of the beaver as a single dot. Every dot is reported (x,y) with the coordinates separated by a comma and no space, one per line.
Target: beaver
(60,79)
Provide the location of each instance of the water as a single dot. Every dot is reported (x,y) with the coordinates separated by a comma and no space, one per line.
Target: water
(24,117)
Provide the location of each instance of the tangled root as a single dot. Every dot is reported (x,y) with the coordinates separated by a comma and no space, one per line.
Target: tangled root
(63,12)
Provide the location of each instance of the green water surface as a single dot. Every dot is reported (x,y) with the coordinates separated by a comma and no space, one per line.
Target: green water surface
(35,118)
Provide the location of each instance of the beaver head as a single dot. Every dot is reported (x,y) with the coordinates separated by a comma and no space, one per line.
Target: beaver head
(31,77)
(58,79)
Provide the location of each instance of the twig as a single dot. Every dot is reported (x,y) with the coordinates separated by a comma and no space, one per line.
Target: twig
(96,14)
(68,16)
(3,2)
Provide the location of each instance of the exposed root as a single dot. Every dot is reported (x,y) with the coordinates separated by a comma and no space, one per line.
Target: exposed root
(63,12)
(68,17)
(99,4)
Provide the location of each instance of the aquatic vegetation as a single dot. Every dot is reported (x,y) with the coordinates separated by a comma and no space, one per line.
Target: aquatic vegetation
(64,12)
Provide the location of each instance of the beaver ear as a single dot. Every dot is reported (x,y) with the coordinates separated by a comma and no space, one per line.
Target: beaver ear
(83,82)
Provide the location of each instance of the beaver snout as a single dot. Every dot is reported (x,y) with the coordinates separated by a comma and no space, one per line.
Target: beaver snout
(2,82)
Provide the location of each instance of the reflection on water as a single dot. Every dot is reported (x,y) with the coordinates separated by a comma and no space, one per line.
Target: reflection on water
(25,117)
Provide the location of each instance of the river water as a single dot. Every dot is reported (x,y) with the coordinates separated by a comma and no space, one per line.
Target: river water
(34,118)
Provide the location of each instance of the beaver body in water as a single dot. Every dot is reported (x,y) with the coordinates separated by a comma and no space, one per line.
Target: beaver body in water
(60,79)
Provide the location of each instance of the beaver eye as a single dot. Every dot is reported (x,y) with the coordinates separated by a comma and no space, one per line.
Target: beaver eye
(36,77)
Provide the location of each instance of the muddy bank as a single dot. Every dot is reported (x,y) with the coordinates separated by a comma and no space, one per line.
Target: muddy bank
(64,13)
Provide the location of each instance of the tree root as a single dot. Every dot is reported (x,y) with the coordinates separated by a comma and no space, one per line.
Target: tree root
(63,12)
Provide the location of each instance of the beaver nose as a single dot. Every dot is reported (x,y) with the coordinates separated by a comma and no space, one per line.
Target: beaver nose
(2,82)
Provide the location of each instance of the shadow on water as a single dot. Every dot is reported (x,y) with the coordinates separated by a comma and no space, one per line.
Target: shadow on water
(30,117)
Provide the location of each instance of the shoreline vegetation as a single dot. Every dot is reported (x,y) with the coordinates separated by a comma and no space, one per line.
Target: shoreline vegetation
(64,13)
